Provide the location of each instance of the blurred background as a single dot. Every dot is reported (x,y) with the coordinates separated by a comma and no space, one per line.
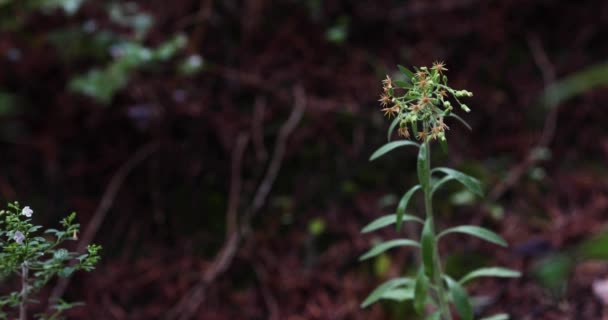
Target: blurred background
(218,150)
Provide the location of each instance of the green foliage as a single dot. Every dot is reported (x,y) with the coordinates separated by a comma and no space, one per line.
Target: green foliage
(423,101)
(478,232)
(36,257)
(388,287)
(576,84)
(102,84)
(388,220)
(384,246)
(127,50)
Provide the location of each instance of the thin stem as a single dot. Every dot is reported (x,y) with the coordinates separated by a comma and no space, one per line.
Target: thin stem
(24,292)
(442,299)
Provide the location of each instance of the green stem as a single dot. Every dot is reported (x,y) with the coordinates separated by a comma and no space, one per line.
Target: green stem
(442,298)
(24,291)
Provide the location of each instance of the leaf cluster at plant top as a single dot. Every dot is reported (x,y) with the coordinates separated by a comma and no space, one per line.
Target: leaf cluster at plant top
(423,102)
(36,257)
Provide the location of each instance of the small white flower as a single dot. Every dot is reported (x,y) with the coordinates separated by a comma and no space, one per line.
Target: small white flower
(18,237)
(27,211)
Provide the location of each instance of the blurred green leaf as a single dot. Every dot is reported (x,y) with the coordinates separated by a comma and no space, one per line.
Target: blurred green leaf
(469,182)
(421,291)
(339,31)
(461,300)
(427,243)
(490,272)
(403,205)
(423,173)
(384,246)
(461,120)
(476,231)
(502,316)
(576,84)
(406,71)
(391,128)
(552,272)
(385,287)
(594,248)
(399,295)
(390,146)
(388,220)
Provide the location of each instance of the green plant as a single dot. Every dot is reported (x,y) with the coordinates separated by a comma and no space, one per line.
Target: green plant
(36,259)
(421,103)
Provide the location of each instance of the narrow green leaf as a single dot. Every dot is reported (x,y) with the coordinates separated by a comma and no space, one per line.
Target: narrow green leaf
(490,272)
(384,246)
(400,294)
(390,146)
(420,291)
(388,220)
(501,316)
(406,71)
(427,242)
(403,205)
(402,84)
(392,127)
(435,316)
(476,231)
(461,301)
(444,145)
(440,183)
(423,173)
(414,128)
(575,84)
(469,182)
(464,123)
(385,287)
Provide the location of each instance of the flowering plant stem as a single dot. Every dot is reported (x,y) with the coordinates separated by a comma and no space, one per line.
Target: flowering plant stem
(441,295)
(23,300)
(423,98)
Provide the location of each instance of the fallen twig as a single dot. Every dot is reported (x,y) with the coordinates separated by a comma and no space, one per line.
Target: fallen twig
(191,301)
(104,206)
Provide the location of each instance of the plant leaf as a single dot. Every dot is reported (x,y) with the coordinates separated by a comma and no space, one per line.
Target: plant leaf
(390,146)
(423,173)
(440,182)
(400,294)
(427,242)
(435,316)
(490,272)
(464,123)
(402,84)
(501,316)
(392,127)
(460,299)
(476,231)
(388,220)
(383,288)
(420,291)
(471,183)
(575,84)
(406,71)
(403,205)
(384,246)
